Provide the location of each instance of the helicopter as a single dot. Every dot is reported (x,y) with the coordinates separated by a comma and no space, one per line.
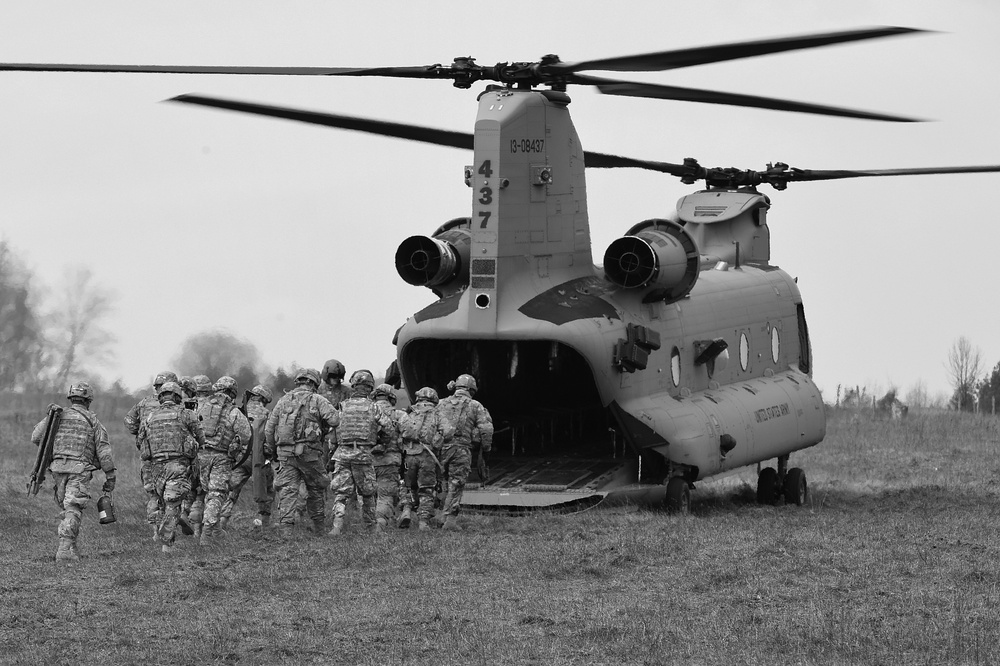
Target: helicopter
(683,356)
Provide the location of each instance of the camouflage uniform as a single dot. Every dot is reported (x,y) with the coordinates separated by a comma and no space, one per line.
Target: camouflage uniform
(81,446)
(387,459)
(336,393)
(422,432)
(257,413)
(294,433)
(362,426)
(468,416)
(133,420)
(168,439)
(226,429)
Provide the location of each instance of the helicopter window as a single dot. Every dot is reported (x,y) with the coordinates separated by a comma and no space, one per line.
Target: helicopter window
(774,344)
(744,351)
(675,366)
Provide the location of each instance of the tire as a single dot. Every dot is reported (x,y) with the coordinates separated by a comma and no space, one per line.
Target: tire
(678,497)
(767,486)
(796,489)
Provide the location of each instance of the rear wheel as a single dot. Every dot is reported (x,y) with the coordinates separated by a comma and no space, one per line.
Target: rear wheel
(678,498)
(796,489)
(767,486)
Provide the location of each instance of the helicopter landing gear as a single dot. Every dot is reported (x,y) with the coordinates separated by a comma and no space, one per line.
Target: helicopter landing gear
(678,497)
(772,484)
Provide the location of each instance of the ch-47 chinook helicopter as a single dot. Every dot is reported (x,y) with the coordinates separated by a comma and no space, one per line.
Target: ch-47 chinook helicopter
(686,355)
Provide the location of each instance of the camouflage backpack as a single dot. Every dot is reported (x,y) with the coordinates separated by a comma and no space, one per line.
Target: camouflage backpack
(291,418)
(211,413)
(418,427)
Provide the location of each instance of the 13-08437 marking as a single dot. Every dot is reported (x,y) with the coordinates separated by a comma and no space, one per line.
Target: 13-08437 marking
(527,145)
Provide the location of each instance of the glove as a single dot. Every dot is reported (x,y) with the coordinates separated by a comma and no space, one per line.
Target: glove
(109,482)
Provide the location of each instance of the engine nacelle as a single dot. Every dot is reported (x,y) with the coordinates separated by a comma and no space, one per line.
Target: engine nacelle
(441,261)
(658,254)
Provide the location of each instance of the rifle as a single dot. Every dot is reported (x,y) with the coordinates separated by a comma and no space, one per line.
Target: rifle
(433,457)
(44,457)
(481,467)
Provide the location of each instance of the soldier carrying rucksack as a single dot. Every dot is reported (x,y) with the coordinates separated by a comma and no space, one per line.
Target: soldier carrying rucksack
(422,431)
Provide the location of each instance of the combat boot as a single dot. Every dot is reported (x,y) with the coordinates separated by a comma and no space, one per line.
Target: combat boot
(167,548)
(184,526)
(197,529)
(66,551)
(423,525)
(451,523)
(223,522)
(207,536)
(405,518)
(319,527)
(156,532)
(338,526)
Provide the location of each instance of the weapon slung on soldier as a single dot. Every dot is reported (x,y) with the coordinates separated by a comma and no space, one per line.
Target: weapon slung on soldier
(44,457)
(247,446)
(433,457)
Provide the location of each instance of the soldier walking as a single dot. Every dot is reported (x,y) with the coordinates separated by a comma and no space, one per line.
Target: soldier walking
(294,433)
(332,388)
(422,432)
(133,420)
(257,400)
(81,446)
(168,440)
(468,416)
(225,429)
(362,426)
(387,458)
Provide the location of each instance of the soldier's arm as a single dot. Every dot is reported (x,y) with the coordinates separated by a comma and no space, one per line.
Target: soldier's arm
(194,427)
(269,427)
(38,432)
(485,424)
(103,444)
(131,419)
(441,432)
(241,426)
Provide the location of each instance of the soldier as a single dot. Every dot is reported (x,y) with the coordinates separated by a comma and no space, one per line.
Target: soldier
(195,389)
(257,400)
(202,387)
(362,426)
(81,446)
(422,431)
(294,433)
(133,420)
(333,388)
(226,430)
(466,415)
(388,459)
(168,439)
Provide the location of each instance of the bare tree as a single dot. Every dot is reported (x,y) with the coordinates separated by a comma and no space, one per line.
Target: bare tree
(917,395)
(964,366)
(20,330)
(77,338)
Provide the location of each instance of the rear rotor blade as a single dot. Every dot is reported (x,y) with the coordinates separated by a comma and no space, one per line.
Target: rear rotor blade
(655,91)
(658,62)
(409,132)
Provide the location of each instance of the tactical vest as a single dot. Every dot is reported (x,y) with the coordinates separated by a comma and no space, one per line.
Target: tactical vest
(213,413)
(419,427)
(166,433)
(74,437)
(293,418)
(358,424)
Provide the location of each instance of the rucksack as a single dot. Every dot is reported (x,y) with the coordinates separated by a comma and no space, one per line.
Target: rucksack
(418,426)
(291,418)
(211,413)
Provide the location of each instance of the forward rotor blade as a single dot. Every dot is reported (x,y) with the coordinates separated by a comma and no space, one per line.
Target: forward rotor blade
(835,174)
(655,91)
(430,135)
(402,72)
(664,60)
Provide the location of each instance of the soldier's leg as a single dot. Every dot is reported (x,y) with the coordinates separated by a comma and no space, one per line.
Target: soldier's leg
(342,487)
(364,479)
(316,482)
(154,508)
(265,505)
(175,485)
(200,470)
(387,491)
(457,470)
(237,479)
(286,488)
(221,467)
(426,481)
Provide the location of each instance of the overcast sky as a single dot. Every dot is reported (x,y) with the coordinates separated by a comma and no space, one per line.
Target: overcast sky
(285,233)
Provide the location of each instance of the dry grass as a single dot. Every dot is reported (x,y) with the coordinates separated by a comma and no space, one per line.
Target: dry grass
(896,559)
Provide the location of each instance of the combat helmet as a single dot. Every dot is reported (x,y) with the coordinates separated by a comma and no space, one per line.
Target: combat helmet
(363,378)
(164,377)
(226,384)
(202,384)
(80,391)
(263,392)
(384,391)
(333,369)
(308,375)
(427,394)
(468,382)
(170,387)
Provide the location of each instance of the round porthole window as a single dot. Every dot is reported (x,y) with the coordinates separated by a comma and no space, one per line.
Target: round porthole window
(774,344)
(744,351)
(675,366)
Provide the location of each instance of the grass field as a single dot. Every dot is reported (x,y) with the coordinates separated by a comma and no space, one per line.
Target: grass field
(894,560)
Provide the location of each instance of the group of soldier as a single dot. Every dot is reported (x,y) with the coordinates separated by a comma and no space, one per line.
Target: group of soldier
(323,436)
